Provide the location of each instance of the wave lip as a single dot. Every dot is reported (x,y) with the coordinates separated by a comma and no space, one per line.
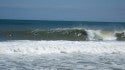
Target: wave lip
(45,47)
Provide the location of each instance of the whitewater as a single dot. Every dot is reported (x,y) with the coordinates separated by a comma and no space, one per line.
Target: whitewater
(45,47)
(62,55)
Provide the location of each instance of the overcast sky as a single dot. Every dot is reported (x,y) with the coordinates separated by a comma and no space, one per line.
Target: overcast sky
(77,10)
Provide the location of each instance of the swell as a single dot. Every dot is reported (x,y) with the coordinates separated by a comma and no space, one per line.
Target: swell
(64,34)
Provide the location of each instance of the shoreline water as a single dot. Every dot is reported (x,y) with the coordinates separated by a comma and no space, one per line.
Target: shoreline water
(62,55)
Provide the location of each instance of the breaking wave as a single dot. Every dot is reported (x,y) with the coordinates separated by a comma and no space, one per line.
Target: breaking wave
(64,34)
(106,35)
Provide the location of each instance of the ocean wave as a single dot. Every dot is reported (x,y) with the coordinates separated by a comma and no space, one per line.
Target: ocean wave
(74,34)
(64,34)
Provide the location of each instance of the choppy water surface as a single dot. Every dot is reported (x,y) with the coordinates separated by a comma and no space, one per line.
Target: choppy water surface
(74,61)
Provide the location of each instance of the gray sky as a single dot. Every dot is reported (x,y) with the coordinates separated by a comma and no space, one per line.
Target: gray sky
(77,10)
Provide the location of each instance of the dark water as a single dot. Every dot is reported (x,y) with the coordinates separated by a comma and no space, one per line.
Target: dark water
(58,30)
(37,24)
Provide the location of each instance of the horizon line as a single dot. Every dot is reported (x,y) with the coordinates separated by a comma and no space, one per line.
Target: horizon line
(62,20)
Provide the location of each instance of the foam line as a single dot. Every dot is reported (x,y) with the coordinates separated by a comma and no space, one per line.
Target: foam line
(41,47)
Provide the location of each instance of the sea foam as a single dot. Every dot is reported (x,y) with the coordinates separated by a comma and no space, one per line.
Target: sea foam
(45,47)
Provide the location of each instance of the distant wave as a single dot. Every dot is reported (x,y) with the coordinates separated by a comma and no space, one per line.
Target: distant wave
(64,34)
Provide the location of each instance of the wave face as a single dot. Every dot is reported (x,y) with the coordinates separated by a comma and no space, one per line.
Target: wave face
(64,34)
(43,47)
(74,34)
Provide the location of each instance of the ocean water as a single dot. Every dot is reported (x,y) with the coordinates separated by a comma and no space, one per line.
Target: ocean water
(61,45)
